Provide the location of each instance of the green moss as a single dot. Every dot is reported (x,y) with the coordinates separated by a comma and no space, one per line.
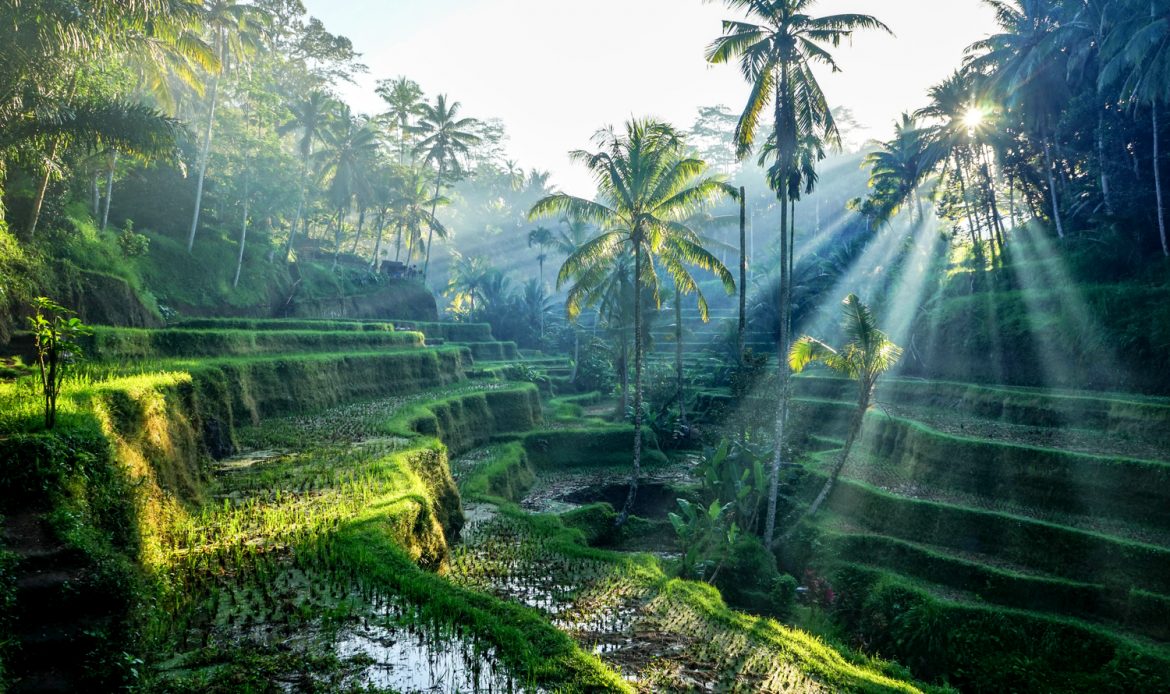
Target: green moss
(507,478)
(127,343)
(595,522)
(283,324)
(601,446)
(980,648)
(1138,611)
(1064,481)
(450,332)
(1074,554)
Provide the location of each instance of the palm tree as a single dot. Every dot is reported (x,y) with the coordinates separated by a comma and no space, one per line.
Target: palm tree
(412,212)
(896,170)
(573,234)
(404,99)
(542,238)
(310,117)
(866,356)
(535,303)
(1138,59)
(446,138)
(40,68)
(134,129)
(646,187)
(1027,68)
(350,145)
(237,31)
(468,281)
(165,55)
(776,50)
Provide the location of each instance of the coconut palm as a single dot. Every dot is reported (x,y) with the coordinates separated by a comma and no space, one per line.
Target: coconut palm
(776,49)
(445,139)
(1137,67)
(897,168)
(542,238)
(45,45)
(166,55)
(134,129)
(404,100)
(411,212)
(310,118)
(865,357)
(350,145)
(468,281)
(646,187)
(1027,69)
(237,31)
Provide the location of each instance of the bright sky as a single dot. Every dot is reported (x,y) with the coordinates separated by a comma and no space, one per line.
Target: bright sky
(556,71)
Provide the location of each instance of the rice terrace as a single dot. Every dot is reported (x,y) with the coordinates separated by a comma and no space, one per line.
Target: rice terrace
(516,346)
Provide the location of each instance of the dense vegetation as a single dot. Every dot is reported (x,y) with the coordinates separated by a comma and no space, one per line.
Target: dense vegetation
(299,398)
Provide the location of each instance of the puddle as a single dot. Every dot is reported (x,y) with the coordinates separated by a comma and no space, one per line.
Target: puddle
(589,599)
(411,660)
(243,461)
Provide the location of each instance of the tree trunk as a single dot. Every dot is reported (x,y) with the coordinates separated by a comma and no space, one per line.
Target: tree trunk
(678,356)
(43,188)
(337,237)
(785,161)
(1101,162)
(636,472)
(431,226)
(741,332)
(358,234)
(109,189)
(243,236)
(398,244)
(204,154)
(1158,181)
(376,263)
(854,430)
(576,355)
(292,232)
(1056,219)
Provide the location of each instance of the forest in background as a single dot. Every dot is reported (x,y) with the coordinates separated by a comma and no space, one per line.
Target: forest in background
(190,149)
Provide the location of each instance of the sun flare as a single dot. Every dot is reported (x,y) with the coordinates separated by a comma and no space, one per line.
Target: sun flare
(974,117)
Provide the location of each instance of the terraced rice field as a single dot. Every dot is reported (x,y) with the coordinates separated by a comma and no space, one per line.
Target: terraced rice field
(1050,504)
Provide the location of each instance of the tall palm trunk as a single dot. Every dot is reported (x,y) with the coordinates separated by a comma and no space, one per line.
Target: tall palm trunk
(243,235)
(206,149)
(398,244)
(624,376)
(741,332)
(576,354)
(376,263)
(1158,181)
(996,231)
(109,188)
(43,187)
(851,438)
(1101,162)
(636,472)
(783,153)
(431,227)
(337,236)
(357,237)
(678,356)
(292,232)
(1056,218)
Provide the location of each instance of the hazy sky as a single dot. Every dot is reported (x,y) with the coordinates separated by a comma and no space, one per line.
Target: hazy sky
(555,71)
